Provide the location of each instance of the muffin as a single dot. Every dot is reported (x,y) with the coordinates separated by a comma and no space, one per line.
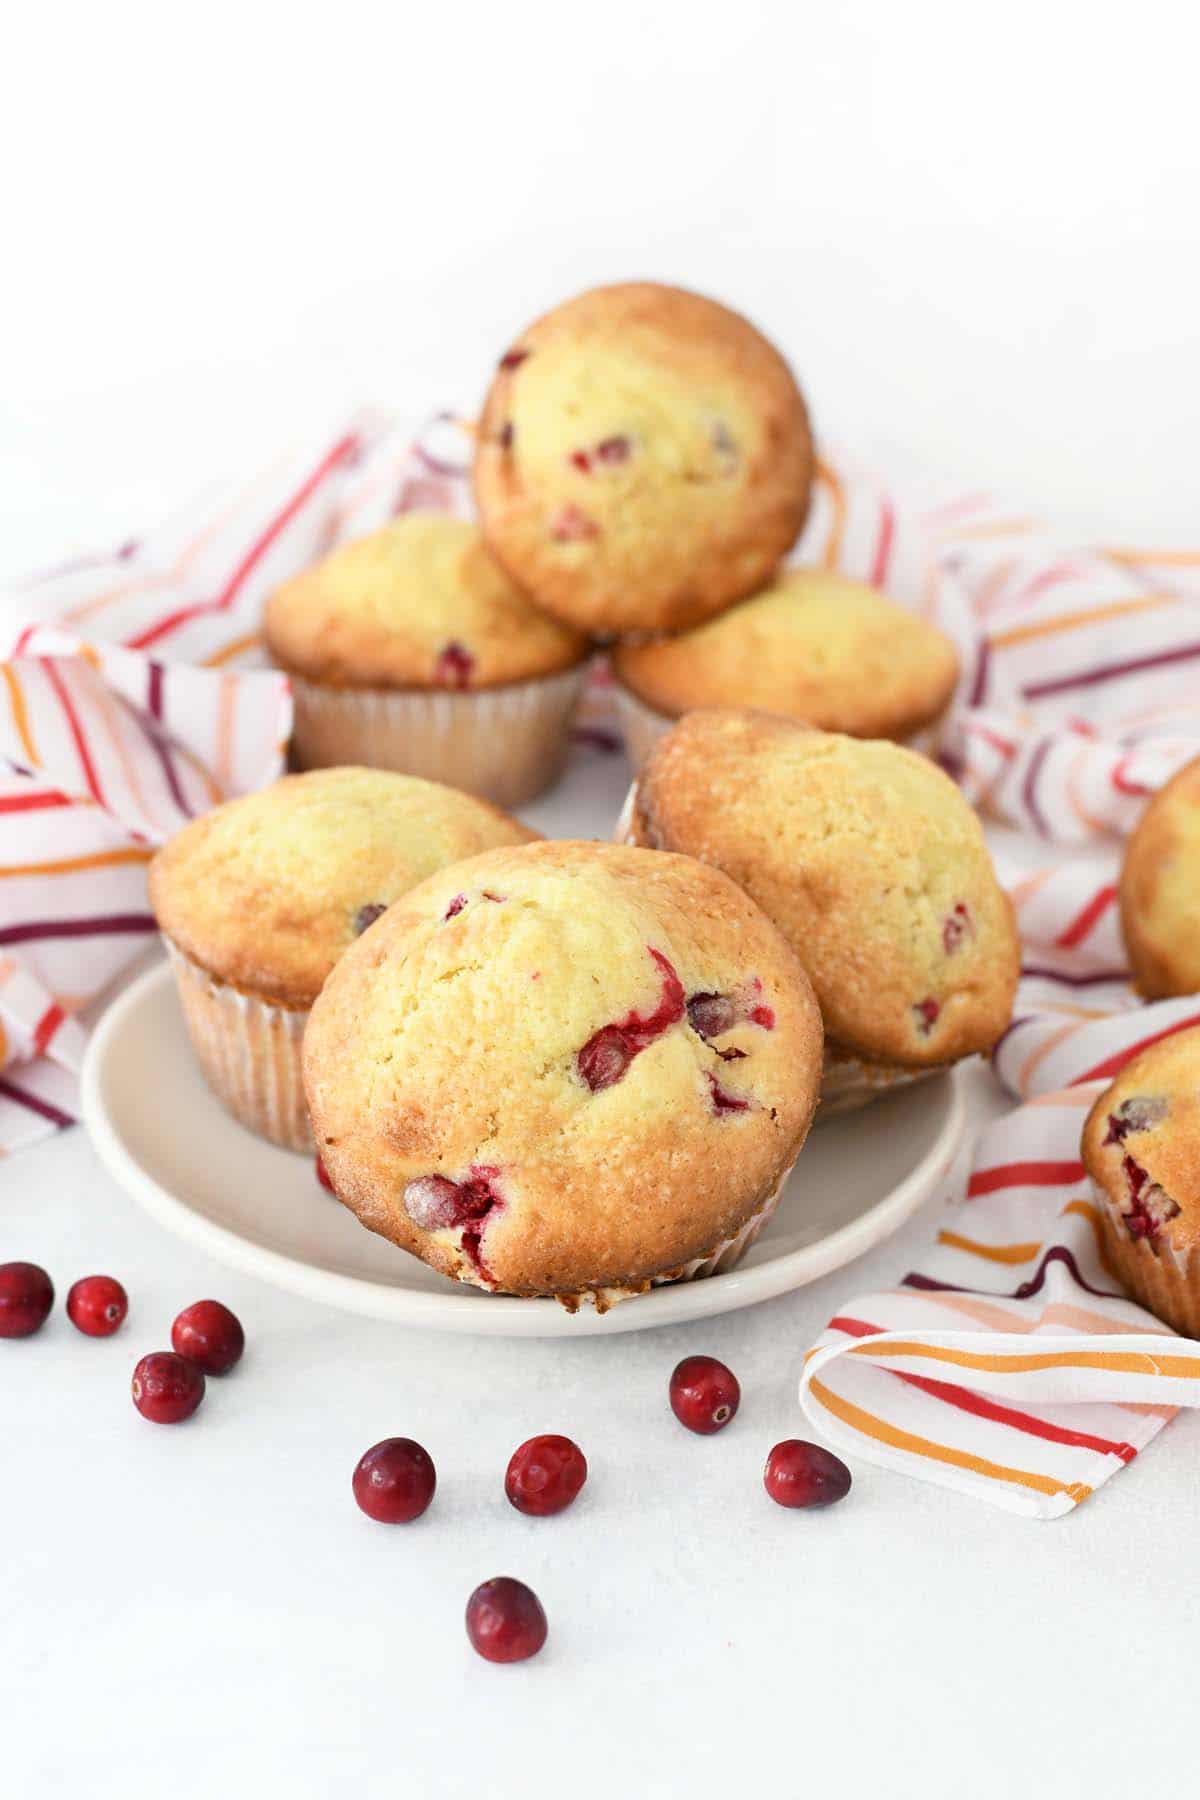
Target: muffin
(1141,1147)
(644,459)
(815,646)
(569,1069)
(259,898)
(872,865)
(1160,890)
(410,649)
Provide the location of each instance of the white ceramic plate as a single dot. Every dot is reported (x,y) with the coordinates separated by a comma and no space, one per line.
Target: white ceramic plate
(163,1136)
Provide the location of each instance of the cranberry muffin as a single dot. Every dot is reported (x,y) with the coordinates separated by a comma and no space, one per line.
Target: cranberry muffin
(1160,890)
(644,459)
(410,649)
(1141,1147)
(814,646)
(258,899)
(872,865)
(569,1069)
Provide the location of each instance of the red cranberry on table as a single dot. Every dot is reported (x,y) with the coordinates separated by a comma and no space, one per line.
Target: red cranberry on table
(26,1296)
(394,1481)
(704,1394)
(803,1474)
(167,1388)
(505,1621)
(97,1305)
(545,1475)
(209,1335)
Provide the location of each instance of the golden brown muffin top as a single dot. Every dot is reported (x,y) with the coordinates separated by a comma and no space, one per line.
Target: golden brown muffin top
(563,1068)
(419,603)
(1141,1142)
(1160,890)
(815,646)
(267,891)
(868,859)
(644,459)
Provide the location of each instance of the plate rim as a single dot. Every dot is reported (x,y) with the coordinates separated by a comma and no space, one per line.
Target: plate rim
(501,1315)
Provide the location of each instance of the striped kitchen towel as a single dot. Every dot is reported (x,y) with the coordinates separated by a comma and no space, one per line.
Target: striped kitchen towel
(1009,1365)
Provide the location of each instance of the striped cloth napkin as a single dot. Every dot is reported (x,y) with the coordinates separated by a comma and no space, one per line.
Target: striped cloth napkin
(136,695)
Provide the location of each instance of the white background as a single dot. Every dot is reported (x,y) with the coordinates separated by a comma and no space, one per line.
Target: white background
(974,229)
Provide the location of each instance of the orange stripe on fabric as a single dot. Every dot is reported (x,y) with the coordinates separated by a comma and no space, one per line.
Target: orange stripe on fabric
(1084,615)
(1022,891)
(993,528)
(70,865)
(226,726)
(1032,1362)
(997,1253)
(871,1426)
(1034,1060)
(20,712)
(250,641)
(1169,559)
(1083,1209)
(837,525)
(114,728)
(995,1317)
(1075,769)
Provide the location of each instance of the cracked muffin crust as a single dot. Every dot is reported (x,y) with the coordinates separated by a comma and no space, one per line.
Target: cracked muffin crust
(568,1069)
(867,858)
(266,892)
(258,899)
(814,646)
(1141,1147)
(1160,890)
(419,603)
(644,459)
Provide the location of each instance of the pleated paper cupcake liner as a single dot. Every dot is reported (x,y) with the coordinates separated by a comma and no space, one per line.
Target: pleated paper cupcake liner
(249,1051)
(849,1082)
(1166,1281)
(506,744)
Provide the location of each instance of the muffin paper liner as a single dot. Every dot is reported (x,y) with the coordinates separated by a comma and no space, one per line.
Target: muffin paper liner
(1164,1280)
(506,744)
(642,727)
(249,1051)
(849,1082)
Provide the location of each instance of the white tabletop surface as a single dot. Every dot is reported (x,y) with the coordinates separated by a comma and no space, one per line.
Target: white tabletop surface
(203,1610)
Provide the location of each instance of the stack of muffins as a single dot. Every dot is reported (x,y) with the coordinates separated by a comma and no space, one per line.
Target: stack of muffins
(579,1069)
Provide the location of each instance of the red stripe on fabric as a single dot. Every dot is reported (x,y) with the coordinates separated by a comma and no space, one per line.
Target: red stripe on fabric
(254,555)
(1037,690)
(76,729)
(106,925)
(883,549)
(1115,1063)
(966,1400)
(22,640)
(31,1102)
(1137,789)
(47,1025)
(1082,923)
(14,803)
(1023,1174)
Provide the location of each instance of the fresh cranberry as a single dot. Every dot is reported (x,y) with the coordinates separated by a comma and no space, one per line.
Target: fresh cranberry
(26,1296)
(209,1335)
(803,1474)
(957,927)
(97,1305)
(323,1176)
(579,459)
(505,1621)
(1150,1206)
(435,1203)
(512,359)
(367,915)
(704,1394)
(764,1016)
(925,1012)
(545,1475)
(167,1388)
(455,907)
(505,437)
(571,525)
(1138,1113)
(394,1481)
(722,1100)
(453,666)
(608,1052)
